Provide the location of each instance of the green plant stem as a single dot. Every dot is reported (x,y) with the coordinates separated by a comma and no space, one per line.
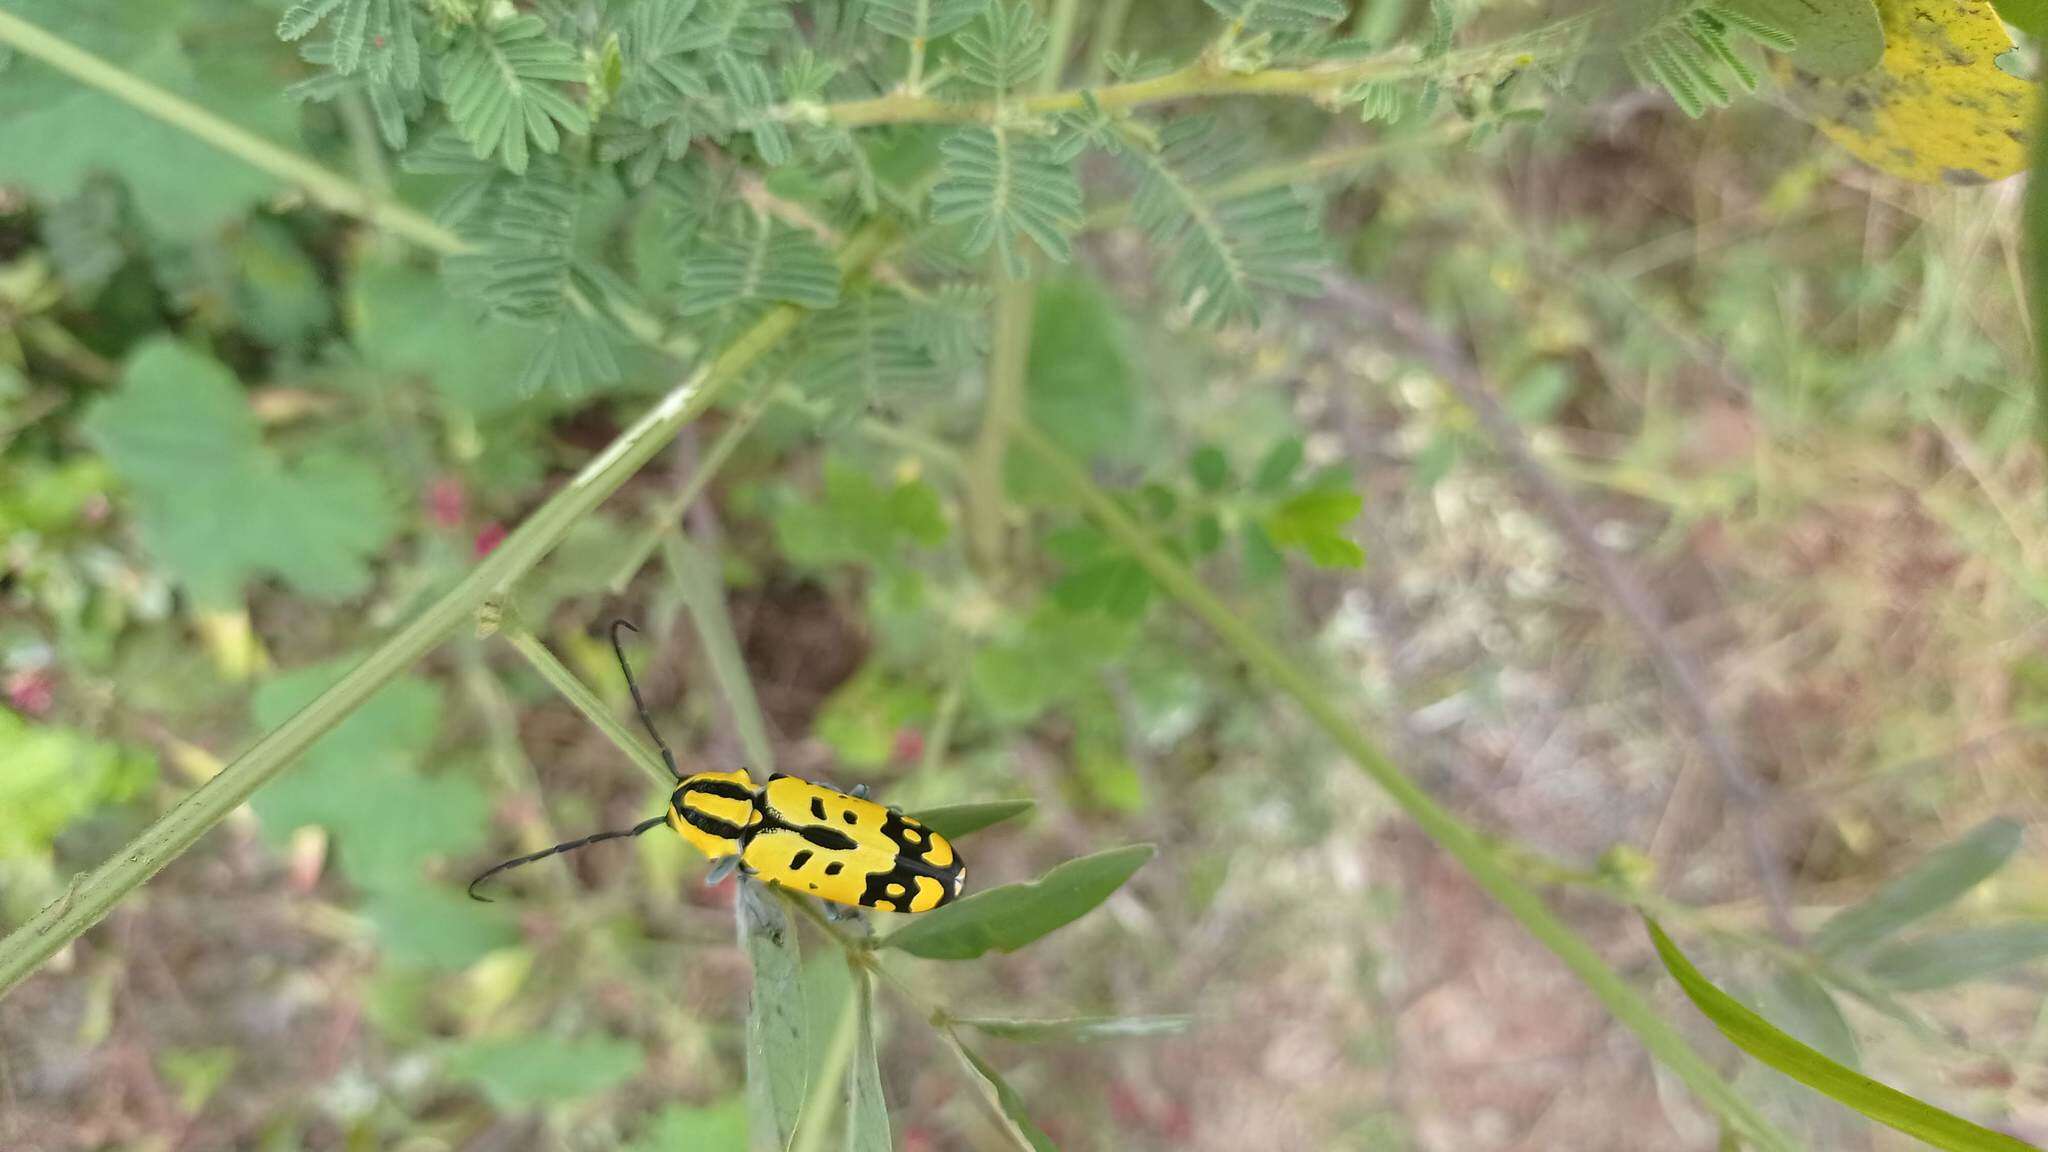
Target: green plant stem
(1109,31)
(668,518)
(1202,78)
(49,930)
(1002,409)
(1059,42)
(696,575)
(325,187)
(1486,864)
(576,692)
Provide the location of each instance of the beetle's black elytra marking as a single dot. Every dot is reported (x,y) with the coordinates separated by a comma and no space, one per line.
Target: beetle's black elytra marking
(830,839)
(724,788)
(849,817)
(797,861)
(712,825)
(833,869)
(818,807)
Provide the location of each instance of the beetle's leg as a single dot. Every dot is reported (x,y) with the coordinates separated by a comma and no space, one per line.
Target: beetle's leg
(841,913)
(860,792)
(721,868)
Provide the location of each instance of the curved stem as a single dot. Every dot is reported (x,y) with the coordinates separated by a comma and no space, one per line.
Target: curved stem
(1486,864)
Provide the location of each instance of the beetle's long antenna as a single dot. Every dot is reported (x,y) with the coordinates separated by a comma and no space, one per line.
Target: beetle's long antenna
(639,705)
(570,846)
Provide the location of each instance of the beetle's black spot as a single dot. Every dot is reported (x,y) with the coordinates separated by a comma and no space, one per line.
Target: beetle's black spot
(830,839)
(814,887)
(818,807)
(833,868)
(797,861)
(849,817)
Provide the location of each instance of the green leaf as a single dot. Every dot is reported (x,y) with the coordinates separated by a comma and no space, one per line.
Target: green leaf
(956,820)
(1052,655)
(776,263)
(1006,49)
(867,1110)
(1224,250)
(1314,521)
(495,85)
(1958,957)
(53,776)
(857,520)
(1756,1036)
(1008,186)
(862,716)
(436,928)
(279,292)
(1831,38)
(1007,918)
(778,1042)
(721,1127)
(1079,386)
(1281,15)
(1277,467)
(870,349)
(403,322)
(525,1071)
(55,133)
(1935,883)
(218,508)
(2029,16)
(923,19)
(1076,1029)
(1210,468)
(361,782)
(1006,1099)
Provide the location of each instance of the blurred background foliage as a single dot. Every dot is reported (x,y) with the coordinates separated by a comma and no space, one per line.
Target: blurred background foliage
(242,437)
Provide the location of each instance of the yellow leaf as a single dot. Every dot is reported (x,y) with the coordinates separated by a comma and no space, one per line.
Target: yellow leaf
(1937,109)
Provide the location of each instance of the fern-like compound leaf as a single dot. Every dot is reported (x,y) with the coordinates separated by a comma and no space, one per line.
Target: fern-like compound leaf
(1008,185)
(1281,15)
(1223,250)
(923,19)
(497,84)
(775,263)
(1005,49)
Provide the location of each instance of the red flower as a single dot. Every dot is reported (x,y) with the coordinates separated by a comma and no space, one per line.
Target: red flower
(909,745)
(446,503)
(32,692)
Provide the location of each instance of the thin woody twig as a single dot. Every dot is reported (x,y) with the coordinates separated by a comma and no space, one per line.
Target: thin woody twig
(1430,344)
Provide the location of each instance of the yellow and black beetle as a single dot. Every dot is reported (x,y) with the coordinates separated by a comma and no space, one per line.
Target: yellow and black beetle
(805,837)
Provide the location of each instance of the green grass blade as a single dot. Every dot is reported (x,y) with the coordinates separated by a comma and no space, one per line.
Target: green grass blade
(1076,1029)
(867,1111)
(1761,1039)
(1958,957)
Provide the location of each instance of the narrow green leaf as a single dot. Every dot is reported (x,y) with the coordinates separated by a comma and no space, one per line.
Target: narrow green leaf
(867,1110)
(1932,885)
(956,820)
(1758,1037)
(1007,918)
(720,1127)
(1959,957)
(778,1046)
(830,1087)
(1833,38)
(1077,1029)
(523,1071)
(1006,1099)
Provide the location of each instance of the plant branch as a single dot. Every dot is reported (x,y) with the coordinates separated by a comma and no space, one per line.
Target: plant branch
(703,594)
(325,187)
(1430,344)
(578,693)
(49,930)
(1466,844)
(1002,409)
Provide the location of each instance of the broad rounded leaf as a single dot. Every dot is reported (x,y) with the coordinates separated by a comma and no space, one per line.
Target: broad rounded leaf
(1938,108)
(1007,918)
(956,820)
(1758,1037)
